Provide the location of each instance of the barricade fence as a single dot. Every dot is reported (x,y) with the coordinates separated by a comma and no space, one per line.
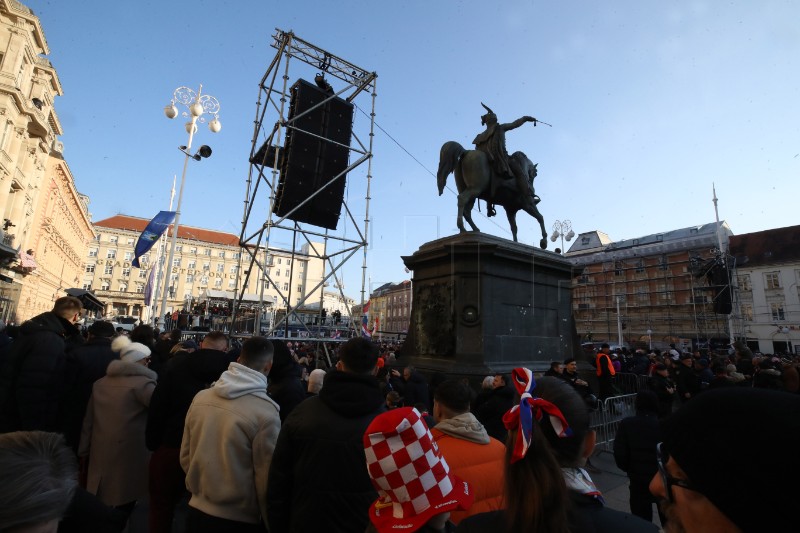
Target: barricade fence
(605,420)
(628,383)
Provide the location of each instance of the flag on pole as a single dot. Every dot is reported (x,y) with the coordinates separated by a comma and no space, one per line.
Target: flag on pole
(365,310)
(148,288)
(154,230)
(374,327)
(336,334)
(364,331)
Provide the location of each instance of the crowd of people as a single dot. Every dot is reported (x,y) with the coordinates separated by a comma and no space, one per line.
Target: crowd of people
(267,435)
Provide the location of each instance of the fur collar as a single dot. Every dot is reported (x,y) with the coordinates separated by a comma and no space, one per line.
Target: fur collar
(123,368)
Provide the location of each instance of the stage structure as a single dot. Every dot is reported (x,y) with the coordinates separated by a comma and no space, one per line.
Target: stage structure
(310,170)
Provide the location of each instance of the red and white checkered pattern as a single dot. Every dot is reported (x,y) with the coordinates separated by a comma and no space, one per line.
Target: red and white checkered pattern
(405,464)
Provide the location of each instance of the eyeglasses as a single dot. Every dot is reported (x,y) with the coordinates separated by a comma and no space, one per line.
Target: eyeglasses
(668,480)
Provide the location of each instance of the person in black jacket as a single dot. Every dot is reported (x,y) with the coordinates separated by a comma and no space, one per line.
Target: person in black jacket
(285,386)
(686,380)
(318,479)
(635,453)
(32,379)
(85,365)
(186,375)
(415,389)
(497,402)
(664,388)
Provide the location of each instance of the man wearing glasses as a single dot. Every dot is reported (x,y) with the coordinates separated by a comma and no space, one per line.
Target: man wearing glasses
(705,486)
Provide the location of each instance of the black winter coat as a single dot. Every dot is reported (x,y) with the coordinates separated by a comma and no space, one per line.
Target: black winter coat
(32,380)
(635,447)
(186,376)
(318,479)
(85,365)
(286,388)
(416,391)
(586,515)
(490,412)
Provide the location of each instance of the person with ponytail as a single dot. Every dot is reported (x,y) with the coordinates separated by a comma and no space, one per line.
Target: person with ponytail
(546,487)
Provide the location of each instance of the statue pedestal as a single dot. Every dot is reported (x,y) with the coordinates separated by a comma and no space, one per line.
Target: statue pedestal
(482,305)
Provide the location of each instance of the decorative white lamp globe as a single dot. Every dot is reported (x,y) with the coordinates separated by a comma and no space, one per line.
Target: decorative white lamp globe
(215,125)
(170,111)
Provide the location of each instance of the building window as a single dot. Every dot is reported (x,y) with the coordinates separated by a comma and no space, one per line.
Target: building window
(140,288)
(299,288)
(302,267)
(189,278)
(144,259)
(218,283)
(222,255)
(777,311)
(90,267)
(206,266)
(98,237)
(92,252)
(113,239)
(193,250)
(176,262)
(234,269)
(111,254)
(279,260)
(128,256)
(772,280)
(109,269)
(104,286)
(663,264)
(285,287)
(130,242)
(207,252)
(123,287)
(640,266)
(220,267)
(204,280)
(126,272)
(277,272)
(236,255)
(744,282)
(142,273)
(288,262)
(618,271)
(231,284)
(87,286)
(178,247)
(747,312)
(192,264)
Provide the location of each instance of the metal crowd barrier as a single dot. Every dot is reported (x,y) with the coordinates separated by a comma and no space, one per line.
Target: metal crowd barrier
(605,420)
(628,383)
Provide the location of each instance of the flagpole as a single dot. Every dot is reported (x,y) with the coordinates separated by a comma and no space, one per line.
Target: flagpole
(159,263)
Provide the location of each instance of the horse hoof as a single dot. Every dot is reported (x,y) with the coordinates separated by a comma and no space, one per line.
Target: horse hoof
(543,244)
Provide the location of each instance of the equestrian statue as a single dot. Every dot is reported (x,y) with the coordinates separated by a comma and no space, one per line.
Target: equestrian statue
(488,173)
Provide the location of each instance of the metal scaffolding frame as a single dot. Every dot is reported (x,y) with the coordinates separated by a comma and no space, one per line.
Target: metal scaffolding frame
(270,128)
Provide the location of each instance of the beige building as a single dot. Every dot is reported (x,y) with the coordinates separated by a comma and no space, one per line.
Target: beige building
(45,225)
(206,268)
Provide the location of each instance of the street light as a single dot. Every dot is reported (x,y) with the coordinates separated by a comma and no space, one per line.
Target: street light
(650,338)
(562,229)
(198,104)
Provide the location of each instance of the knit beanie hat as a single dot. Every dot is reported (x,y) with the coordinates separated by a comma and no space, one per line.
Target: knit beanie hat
(708,436)
(130,352)
(413,480)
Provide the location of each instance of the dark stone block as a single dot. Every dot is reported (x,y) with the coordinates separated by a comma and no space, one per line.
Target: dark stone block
(482,304)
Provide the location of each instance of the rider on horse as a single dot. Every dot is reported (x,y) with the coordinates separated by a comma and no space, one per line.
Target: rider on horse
(492,141)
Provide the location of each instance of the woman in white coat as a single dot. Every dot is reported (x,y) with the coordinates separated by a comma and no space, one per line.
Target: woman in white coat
(114,425)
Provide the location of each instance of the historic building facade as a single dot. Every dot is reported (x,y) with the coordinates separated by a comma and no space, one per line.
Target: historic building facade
(207,267)
(655,290)
(44,228)
(768,285)
(390,305)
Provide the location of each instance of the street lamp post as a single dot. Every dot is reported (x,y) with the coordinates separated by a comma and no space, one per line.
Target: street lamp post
(562,229)
(650,338)
(198,104)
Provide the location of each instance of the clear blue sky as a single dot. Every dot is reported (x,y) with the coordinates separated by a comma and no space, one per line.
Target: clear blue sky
(650,103)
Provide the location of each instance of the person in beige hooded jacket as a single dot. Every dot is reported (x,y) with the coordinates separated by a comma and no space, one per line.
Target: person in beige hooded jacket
(228,439)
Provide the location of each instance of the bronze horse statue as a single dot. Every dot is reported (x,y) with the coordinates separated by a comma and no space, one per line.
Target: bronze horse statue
(473,174)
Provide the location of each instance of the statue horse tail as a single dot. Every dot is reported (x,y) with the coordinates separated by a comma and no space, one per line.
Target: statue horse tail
(448,160)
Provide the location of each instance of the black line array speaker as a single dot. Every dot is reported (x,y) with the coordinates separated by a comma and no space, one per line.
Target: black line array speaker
(722,290)
(310,160)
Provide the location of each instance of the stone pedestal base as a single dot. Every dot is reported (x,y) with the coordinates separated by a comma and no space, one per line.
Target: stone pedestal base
(482,304)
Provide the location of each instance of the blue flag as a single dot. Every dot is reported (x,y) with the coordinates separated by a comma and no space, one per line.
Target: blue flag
(154,230)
